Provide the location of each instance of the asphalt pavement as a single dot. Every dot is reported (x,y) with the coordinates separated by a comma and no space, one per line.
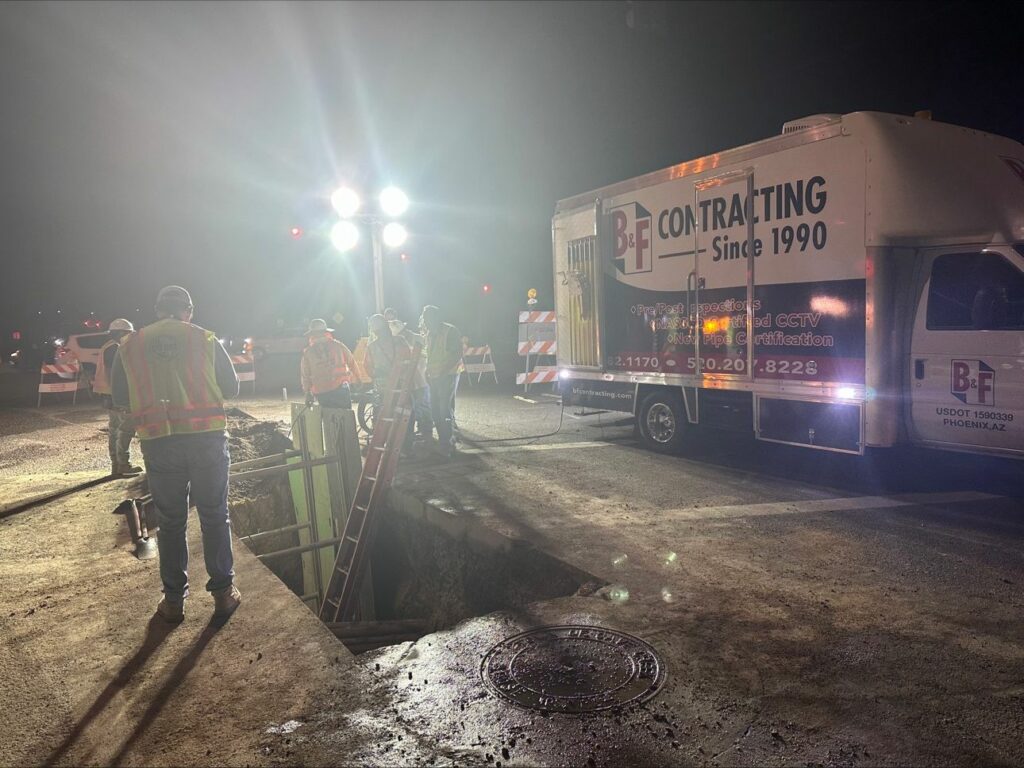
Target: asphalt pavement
(810,608)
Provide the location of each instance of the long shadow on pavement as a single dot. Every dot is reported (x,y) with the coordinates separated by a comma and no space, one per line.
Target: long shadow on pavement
(174,679)
(156,632)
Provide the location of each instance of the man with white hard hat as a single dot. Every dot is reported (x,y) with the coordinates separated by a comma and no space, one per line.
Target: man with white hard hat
(121,430)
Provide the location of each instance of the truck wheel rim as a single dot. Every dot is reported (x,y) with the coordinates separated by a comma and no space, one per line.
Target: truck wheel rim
(661,423)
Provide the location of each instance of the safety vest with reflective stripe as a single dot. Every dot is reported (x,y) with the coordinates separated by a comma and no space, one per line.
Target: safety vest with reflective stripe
(440,360)
(172,383)
(101,380)
(325,365)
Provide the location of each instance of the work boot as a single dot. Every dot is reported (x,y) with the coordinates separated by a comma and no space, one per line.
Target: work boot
(124,470)
(225,601)
(171,612)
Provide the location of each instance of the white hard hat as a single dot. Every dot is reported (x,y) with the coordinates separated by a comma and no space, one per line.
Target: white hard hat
(121,325)
(318,326)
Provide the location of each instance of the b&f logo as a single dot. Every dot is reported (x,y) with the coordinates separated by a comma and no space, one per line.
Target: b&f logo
(972,382)
(631,233)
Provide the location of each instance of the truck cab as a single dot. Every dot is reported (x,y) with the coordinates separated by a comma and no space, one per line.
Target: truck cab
(966,366)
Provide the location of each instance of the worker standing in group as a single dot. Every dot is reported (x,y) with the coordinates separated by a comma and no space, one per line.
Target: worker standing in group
(384,354)
(444,364)
(326,368)
(420,391)
(120,429)
(174,376)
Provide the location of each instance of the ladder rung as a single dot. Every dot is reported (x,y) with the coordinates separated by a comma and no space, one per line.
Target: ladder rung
(361,509)
(353,539)
(332,603)
(388,419)
(378,447)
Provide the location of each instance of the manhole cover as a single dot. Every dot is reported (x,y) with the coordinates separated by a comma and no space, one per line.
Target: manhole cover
(573,669)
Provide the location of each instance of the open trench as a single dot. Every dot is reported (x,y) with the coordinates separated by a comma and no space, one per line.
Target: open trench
(423,579)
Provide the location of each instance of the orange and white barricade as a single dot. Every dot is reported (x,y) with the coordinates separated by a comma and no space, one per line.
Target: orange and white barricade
(537,348)
(542,374)
(59,377)
(482,362)
(537,340)
(245,368)
(542,316)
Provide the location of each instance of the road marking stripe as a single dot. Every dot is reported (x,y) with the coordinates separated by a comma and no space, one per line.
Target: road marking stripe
(536,447)
(524,399)
(828,505)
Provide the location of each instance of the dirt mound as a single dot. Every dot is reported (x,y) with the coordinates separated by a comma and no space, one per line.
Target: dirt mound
(263,503)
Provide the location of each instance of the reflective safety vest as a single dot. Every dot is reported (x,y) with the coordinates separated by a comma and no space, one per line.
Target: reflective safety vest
(101,380)
(440,360)
(325,365)
(172,384)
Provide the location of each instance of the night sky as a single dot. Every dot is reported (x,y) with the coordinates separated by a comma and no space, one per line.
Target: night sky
(151,143)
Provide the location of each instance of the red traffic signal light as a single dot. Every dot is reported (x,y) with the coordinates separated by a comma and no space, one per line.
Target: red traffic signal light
(296,232)
(404,257)
(487,288)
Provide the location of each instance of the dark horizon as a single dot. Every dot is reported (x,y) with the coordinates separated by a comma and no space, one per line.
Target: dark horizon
(155,143)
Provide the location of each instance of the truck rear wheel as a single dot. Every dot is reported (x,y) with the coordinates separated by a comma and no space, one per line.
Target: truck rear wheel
(662,421)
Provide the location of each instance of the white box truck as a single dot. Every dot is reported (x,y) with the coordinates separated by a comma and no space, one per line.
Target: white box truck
(855,282)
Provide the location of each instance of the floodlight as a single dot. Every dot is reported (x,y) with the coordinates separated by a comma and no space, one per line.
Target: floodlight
(344,235)
(394,234)
(393,201)
(345,201)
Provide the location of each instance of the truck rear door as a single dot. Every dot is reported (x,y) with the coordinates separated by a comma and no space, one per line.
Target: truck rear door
(967,350)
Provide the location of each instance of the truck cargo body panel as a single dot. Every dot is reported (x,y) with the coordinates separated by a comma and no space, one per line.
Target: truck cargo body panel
(789,269)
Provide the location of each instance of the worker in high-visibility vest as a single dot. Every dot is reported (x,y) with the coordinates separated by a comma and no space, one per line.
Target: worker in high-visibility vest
(420,391)
(120,429)
(174,377)
(327,367)
(444,364)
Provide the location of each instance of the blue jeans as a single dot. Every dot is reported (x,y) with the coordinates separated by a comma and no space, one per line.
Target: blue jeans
(336,398)
(442,407)
(196,466)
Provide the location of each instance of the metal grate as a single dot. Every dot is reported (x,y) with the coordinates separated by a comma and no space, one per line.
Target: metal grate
(582,276)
